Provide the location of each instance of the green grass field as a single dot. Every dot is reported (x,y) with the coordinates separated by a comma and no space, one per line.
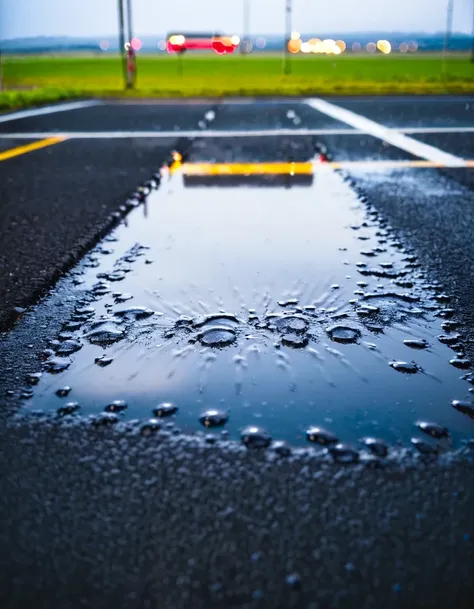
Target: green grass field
(33,79)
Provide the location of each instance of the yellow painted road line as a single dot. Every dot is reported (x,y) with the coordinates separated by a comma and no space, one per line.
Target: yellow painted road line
(225,169)
(19,150)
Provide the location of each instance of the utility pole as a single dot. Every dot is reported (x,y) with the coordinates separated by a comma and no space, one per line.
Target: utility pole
(1,77)
(122,42)
(245,25)
(472,50)
(130,74)
(288,27)
(449,27)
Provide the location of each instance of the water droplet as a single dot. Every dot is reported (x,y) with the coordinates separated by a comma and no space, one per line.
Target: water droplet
(72,325)
(134,313)
(376,446)
(217,336)
(423,447)
(184,320)
(288,302)
(255,437)
(406,367)
(343,453)
(446,313)
(291,323)
(103,361)
(343,334)
(214,418)
(165,409)
(104,332)
(26,393)
(63,392)
(433,429)
(448,326)
(461,363)
(149,428)
(281,448)
(117,275)
(224,319)
(69,408)
(33,378)
(62,336)
(297,341)
(57,364)
(68,347)
(119,298)
(101,288)
(85,312)
(464,406)
(366,310)
(415,343)
(105,419)
(321,436)
(116,406)
(449,339)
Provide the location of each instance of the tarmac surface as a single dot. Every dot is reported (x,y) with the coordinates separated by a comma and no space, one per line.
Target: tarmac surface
(109,518)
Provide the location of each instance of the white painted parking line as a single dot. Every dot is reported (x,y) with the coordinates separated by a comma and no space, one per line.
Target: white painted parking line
(435,130)
(399,140)
(168,134)
(222,133)
(5,118)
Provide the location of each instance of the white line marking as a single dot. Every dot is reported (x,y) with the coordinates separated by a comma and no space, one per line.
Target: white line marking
(166,134)
(436,130)
(221,133)
(5,118)
(399,140)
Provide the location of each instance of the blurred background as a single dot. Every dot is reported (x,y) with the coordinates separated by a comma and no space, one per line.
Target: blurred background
(309,46)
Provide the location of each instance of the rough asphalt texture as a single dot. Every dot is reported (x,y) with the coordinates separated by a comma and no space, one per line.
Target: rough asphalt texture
(110,519)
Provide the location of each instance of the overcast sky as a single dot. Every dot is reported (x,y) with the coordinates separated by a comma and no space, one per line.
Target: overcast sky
(20,18)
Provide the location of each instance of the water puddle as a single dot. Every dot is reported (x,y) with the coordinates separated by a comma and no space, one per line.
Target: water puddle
(285,312)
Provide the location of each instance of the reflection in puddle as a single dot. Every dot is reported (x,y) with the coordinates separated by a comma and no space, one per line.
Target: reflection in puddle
(253,309)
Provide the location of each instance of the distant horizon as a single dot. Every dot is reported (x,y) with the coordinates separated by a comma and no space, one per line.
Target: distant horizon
(253,35)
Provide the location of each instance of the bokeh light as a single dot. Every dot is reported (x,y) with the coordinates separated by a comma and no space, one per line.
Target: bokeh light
(384,46)
(136,44)
(294,46)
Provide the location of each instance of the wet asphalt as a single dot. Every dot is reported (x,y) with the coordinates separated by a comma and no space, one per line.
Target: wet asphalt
(109,518)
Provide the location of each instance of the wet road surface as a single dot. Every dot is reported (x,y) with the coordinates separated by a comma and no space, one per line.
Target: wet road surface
(322,300)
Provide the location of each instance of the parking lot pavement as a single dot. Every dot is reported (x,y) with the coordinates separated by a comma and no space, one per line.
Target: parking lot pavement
(124,519)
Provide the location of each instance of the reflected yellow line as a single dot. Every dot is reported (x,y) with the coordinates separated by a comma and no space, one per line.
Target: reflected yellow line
(245,169)
(19,150)
(307,168)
